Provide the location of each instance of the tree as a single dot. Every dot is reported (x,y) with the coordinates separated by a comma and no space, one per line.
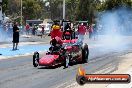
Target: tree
(71,6)
(55,9)
(4,5)
(31,9)
(86,10)
(42,5)
(13,8)
(111,4)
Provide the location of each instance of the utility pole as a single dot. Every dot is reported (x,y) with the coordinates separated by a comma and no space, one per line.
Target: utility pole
(63,13)
(21,12)
(64,9)
(1,14)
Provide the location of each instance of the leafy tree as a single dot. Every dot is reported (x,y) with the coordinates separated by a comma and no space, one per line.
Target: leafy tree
(111,4)
(71,6)
(86,10)
(55,9)
(13,8)
(4,5)
(31,9)
(42,5)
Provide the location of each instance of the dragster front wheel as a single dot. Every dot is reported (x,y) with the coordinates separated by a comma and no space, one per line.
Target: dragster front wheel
(36,59)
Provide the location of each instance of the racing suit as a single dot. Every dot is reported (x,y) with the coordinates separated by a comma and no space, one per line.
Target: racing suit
(56,31)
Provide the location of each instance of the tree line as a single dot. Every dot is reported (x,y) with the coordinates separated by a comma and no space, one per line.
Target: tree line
(75,9)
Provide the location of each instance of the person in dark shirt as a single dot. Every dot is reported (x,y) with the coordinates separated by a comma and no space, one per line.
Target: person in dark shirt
(15,36)
(67,28)
(42,31)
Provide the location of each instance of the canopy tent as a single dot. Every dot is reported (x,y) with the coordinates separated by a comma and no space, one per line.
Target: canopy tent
(47,21)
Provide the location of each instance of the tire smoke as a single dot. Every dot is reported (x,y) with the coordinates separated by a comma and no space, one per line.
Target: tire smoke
(4,35)
(114,26)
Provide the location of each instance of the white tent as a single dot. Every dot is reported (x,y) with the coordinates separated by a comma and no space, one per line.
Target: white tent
(47,21)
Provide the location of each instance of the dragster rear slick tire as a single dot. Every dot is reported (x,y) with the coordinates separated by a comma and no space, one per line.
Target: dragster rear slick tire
(36,59)
(85,53)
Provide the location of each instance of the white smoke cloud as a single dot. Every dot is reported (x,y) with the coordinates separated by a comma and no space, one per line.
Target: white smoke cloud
(115,25)
(4,35)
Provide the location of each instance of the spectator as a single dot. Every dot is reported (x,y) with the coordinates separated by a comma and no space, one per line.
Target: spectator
(42,31)
(95,32)
(15,36)
(34,30)
(90,31)
(68,32)
(81,32)
(27,29)
(67,26)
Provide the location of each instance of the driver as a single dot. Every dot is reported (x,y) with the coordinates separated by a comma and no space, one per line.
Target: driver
(56,31)
(56,43)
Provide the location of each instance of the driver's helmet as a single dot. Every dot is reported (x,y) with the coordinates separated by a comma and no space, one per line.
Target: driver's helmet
(67,36)
(56,27)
